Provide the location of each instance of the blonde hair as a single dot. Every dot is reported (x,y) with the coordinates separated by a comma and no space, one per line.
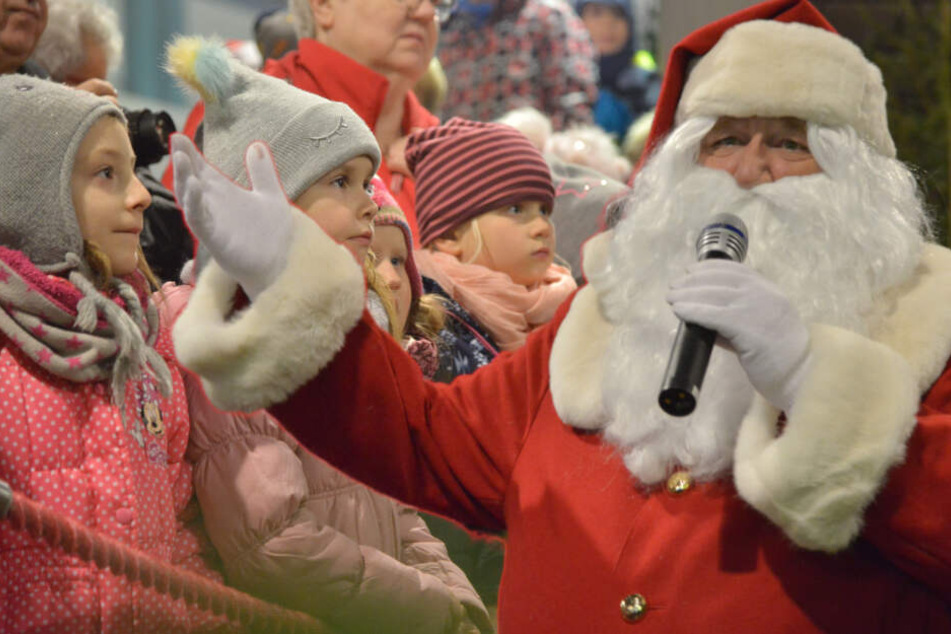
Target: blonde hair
(480,243)
(378,286)
(432,87)
(427,316)
(101,266)
(458,231)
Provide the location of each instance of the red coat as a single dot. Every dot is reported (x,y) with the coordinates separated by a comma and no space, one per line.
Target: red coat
(323,71)
(491,451)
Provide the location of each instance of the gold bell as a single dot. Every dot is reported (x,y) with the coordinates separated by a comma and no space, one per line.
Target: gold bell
(633,607)
(679,482)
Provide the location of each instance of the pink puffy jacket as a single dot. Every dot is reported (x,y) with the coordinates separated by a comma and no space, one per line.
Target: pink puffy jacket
(64,444)
(292,529)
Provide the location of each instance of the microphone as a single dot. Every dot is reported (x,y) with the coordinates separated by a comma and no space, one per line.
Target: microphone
(725,238)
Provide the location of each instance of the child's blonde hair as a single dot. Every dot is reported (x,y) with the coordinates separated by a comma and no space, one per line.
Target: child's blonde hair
(101,266)
(426,317)
(378,286)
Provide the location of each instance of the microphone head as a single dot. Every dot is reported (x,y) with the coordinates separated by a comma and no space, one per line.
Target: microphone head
(724,238)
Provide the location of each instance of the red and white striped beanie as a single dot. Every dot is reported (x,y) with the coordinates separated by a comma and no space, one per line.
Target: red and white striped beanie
(466,168)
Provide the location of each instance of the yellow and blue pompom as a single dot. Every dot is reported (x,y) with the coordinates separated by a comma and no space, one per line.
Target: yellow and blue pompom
(202,64)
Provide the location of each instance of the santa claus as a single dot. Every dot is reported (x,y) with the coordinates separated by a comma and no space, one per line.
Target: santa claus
(806,492)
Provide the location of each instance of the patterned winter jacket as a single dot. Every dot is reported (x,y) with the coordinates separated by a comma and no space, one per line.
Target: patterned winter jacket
(527,53)
(64,445)
(464,345)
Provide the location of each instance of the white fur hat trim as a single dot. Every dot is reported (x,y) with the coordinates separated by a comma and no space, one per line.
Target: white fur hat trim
(773,69)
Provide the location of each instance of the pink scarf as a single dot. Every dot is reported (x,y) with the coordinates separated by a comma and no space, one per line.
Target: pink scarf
(509,311)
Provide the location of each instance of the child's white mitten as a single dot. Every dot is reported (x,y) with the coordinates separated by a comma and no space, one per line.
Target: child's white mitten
(754,316)
(247,231)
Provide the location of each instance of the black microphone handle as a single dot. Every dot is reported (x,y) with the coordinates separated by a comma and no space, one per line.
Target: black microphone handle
(689,357)
(725,238)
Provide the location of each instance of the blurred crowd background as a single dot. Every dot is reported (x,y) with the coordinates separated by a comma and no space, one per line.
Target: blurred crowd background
(909,39)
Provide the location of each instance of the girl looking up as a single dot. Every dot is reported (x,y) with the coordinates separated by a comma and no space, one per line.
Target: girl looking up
(93,419)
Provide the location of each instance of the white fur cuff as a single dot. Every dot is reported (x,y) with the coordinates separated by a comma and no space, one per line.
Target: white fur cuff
(576,363)
(849,425)
(260,355)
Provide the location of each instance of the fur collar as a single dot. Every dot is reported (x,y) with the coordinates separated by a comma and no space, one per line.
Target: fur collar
(254,357)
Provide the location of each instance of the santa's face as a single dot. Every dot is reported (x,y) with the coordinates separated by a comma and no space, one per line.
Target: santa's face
(831,240)
(758,150)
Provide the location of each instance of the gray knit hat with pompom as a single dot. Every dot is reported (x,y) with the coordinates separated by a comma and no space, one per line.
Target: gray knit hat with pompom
(42,125)
(308,135)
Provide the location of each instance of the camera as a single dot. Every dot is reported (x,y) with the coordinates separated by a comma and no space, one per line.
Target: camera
(149,132)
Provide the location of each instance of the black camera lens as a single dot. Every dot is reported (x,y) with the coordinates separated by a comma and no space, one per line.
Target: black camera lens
(149,133)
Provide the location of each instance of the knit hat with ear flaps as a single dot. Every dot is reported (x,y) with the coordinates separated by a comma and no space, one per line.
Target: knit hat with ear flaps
(42,125)
(308,135)
(390,214)
(703,40)
(466,168)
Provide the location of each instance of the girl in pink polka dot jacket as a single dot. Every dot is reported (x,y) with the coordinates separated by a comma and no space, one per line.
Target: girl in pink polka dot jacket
(93,418)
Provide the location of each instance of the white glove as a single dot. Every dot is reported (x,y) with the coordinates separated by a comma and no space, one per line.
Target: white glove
(247,231)
(752,314)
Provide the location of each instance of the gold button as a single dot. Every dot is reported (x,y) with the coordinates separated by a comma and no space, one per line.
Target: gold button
(679,482)
(633,607)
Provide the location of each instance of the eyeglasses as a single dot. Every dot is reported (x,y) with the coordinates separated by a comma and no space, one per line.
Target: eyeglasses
(444,8)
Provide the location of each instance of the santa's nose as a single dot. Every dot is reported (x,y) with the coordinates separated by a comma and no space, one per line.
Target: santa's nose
(751,165)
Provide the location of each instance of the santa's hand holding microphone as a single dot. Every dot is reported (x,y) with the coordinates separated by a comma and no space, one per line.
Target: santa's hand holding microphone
(754,318)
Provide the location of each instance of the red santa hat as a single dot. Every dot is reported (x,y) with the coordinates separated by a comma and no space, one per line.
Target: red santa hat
(776,58)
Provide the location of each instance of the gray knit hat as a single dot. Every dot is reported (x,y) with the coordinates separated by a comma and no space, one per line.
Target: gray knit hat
(42,124)
(308,135)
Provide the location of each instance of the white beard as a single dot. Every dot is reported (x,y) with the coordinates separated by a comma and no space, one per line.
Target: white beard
(832,245)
